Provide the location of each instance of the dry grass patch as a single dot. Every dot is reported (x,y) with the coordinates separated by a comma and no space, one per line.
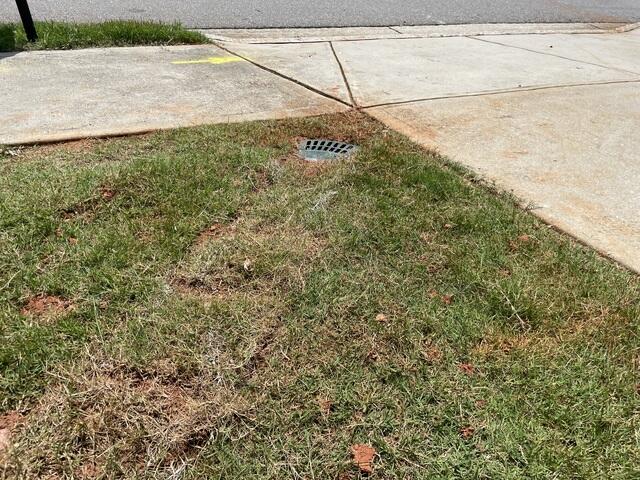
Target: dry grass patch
(106,417)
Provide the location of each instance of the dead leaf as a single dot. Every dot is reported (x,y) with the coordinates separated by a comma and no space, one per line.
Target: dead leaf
(467,432)
(433,294)
(448,226)
(432,354)
(325,405)
(381,317)
(514,245)
(504,272)
(524,238)
(72,240)
(447,299)
(107,193)
(363,457)
(467,368)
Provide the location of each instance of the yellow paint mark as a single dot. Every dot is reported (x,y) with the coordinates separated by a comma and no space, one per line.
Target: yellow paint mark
(212,60)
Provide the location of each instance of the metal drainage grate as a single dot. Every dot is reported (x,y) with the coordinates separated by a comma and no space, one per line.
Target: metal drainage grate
(318,149)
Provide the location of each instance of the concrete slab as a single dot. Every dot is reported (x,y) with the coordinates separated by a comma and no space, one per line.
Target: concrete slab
(572,152)
(387,71)
(48,96)
(621,51)
(310,63)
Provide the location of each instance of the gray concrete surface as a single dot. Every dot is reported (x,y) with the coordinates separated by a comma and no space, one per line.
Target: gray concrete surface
(573,153)
(59,95)
(613,51)
(332,13)
(314,64)
(388,71)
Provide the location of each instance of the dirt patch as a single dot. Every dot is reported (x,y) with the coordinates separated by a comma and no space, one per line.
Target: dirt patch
(363,456)
(8,422)
(46,307)
(216,230)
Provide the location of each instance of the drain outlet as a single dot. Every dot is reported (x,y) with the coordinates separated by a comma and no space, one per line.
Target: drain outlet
(321,149)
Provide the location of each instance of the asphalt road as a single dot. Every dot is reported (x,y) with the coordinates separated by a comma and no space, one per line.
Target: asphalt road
(324,13)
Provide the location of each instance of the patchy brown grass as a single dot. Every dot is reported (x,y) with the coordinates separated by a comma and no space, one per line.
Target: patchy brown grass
(112,413)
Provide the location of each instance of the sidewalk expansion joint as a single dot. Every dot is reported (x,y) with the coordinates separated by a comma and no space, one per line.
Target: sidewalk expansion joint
(553,55)
(344,76)
(499,92)
(281,75)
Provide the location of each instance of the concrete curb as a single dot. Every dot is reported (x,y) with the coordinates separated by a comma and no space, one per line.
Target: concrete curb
(310,35)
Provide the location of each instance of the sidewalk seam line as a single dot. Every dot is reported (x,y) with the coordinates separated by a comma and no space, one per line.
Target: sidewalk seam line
(554,55)
(498,92)
(344,76)
(286,77)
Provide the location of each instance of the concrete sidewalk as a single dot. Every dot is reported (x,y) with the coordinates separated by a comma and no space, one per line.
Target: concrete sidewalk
(552,117)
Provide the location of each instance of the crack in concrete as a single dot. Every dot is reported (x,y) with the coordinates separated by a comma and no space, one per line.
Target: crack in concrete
(286,77)
(498,92)
(344,76)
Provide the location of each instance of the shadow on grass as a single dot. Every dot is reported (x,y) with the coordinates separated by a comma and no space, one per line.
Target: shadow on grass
(7,38)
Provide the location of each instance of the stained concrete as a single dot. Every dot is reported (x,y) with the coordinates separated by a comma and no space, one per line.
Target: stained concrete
(572,152)
(386,71)
(58,95)
(613,51)
(310,63)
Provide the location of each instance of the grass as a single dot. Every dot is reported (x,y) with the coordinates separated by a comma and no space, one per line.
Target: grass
(118,33)
(200,303)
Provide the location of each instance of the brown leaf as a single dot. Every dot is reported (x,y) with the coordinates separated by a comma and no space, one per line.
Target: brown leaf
(325,405)
(107,193)
(521,240)
(433,294)
(447,299)
(432,354)
(363,457)
(467,432)
(524,238)
(72,240)
(467,368)
(448,226)
(381,317)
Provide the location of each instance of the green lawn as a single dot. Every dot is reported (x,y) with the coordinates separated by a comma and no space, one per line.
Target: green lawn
(120,33)
(203,304)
